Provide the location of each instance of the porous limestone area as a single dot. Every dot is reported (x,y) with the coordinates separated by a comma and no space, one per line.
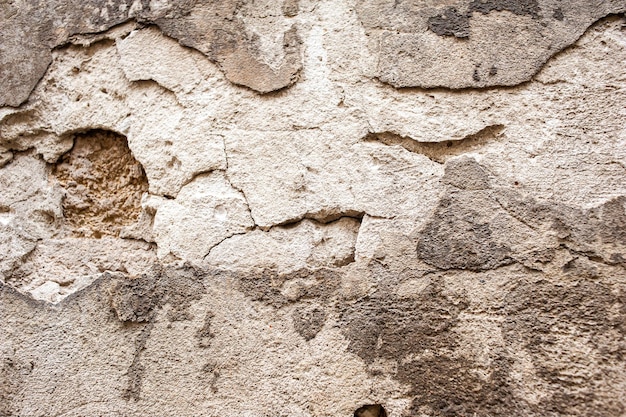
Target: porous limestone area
(313,208)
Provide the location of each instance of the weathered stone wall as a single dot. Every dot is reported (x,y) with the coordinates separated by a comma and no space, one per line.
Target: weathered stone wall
(298,208)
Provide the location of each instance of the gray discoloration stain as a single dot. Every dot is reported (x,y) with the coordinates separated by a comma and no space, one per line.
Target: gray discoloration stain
(450,23)
(471,226)
(519,7)
(558,14)
(460,237)
(266,286)
(591,312)
(460,234)
(136,370)
(453,23)
(448,386)
(136,300)
(205,334)
(308,320)
(387,327)
(420,336)
(139,299)
(466,174)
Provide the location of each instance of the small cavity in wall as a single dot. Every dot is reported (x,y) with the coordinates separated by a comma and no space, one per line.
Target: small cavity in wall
(63,224)
(371,410)
(103,185)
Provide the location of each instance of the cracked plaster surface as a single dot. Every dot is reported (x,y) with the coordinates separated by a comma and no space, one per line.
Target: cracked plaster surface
(338,243)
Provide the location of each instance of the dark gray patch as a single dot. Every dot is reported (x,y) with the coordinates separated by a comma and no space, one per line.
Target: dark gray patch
(612,219)
(457,238)
(135,300)
(266,285)
(205,335)
(558,14)
(138,299)
(136,370)
(450,387)
(466,174)
(386,327)
(460,235)
(450,23)
(211,369)
(519,7)
(419,335)
(539,313)
(476,75)
(493,70)
(308,321)
(180,287)
(598,234)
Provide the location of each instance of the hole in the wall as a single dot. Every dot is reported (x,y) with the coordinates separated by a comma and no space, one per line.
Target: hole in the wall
(371,410)
(103,184)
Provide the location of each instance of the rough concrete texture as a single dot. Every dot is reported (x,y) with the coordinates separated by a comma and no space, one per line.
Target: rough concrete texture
(234,208)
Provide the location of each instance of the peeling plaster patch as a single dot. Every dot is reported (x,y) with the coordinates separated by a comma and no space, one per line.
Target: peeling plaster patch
(214,29)
(62,221)
(103,185)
